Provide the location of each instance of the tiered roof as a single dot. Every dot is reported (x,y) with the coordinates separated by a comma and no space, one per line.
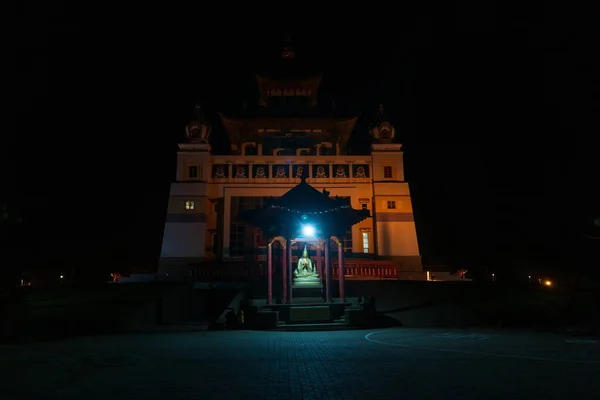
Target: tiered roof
(304,204)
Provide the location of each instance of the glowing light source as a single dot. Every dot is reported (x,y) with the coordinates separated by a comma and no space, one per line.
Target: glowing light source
(548,283)
(308,230)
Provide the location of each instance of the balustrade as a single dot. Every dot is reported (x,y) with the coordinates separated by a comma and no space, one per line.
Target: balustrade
(353,269)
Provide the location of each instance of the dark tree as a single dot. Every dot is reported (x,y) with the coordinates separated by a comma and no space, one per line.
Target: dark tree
(10,232)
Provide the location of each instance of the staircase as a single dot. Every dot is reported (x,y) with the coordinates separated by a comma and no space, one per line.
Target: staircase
(307,316)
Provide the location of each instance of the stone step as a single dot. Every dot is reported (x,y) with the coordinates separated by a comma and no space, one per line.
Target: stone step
(331,326)
(308,300)
(303,314)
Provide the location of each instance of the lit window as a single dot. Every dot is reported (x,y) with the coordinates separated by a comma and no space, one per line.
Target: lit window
(365,236)
(387,172)
(190,205)
(391,205)
(193,171)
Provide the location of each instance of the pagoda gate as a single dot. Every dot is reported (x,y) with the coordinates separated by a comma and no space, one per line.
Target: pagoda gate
(305,217)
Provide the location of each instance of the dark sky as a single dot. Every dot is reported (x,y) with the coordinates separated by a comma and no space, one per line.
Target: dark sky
(497,110)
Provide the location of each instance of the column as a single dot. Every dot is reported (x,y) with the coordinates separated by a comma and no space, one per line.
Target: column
(229,171)
(270,273)
(289,269)
(284,270)
(327,273)
(341,268)
(319,265)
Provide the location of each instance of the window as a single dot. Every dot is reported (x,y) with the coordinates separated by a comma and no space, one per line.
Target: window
(348,240)
(391,205)
(240,237)
(193,171)
(365,237)
(190,205)
(364,206)
(387,172)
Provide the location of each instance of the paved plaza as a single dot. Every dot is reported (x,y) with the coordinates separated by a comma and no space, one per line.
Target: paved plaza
(358,364)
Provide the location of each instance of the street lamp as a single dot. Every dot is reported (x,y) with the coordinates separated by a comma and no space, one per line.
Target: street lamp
(308,230)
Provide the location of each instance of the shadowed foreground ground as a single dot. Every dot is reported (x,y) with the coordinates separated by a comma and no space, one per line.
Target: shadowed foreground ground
(387,364)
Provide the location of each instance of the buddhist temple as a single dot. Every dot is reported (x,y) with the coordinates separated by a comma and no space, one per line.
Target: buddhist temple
(288,153)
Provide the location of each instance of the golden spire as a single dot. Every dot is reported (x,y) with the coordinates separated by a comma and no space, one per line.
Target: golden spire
(288,50)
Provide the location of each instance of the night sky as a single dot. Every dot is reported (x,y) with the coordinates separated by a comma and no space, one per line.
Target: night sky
(497,111)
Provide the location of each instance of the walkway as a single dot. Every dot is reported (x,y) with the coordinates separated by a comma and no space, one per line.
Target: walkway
(389,364)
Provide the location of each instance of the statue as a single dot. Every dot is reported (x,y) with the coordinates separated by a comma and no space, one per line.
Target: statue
(320,172)
(299,172)
(339,172)
(240,172)
(280,173)
(305,270)
(360,172)
(260,172)
(220,172)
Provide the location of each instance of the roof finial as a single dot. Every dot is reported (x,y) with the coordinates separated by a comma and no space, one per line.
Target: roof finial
(380,113)
(382,130)
(288,50)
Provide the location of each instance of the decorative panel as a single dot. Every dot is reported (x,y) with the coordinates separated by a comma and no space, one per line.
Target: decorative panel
(320,171)
(280,170)
(361,171)
(341,171)
(300,171)
(260,170)
(220,171)
(240,171)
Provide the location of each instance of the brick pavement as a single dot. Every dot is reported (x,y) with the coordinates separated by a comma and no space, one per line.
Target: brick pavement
(277,365)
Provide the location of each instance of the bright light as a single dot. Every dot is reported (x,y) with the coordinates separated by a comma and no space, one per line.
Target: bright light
(308,230)
(548,283)
(62,276)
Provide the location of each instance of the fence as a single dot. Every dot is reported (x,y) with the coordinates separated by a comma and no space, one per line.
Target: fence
(353,269)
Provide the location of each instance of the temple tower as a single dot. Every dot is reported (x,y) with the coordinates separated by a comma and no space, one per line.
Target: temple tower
(395,232)
(185,230)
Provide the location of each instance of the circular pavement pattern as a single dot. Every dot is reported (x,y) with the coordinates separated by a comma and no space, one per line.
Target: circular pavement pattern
(326,365)
(506,344)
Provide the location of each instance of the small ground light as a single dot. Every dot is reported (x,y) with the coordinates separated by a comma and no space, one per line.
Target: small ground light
(548,283)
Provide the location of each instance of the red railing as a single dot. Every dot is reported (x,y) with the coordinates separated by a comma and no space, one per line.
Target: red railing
(366,269)
(354,269)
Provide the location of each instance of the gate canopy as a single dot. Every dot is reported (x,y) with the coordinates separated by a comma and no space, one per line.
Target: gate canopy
(301,206)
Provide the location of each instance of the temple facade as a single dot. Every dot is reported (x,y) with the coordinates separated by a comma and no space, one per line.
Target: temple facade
(287,139)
